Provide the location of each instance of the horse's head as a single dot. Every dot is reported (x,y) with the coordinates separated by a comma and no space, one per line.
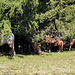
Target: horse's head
(46,40)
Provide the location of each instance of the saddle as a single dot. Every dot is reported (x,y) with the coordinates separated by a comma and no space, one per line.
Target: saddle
(52,40)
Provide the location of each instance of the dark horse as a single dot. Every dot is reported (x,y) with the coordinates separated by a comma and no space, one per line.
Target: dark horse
(69,44)
(36,48)
(52,42)
(10,41)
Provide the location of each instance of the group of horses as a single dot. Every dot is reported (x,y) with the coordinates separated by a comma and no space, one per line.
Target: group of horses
(52,42)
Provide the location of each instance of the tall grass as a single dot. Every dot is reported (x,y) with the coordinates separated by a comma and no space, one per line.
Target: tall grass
(51,64)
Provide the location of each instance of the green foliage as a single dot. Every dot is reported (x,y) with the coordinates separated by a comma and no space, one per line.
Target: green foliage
(37,17)
(66,22)
(5,28)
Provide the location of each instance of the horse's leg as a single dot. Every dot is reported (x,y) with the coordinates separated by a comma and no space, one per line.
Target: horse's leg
(49,50)
(70,47)
(48,46)
(12,51)
(61,46)
(60,49)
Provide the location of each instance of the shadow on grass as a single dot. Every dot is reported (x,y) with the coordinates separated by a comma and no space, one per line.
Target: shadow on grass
(21,55)
(9,57)
(67,49)
(6,55)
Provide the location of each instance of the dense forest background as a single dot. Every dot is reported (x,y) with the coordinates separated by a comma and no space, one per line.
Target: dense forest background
(32,20)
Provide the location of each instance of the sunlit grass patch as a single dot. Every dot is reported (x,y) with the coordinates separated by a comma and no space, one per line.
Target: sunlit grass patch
(51,64)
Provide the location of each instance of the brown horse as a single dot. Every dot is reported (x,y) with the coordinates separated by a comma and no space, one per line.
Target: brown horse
(52,42)
(71,43)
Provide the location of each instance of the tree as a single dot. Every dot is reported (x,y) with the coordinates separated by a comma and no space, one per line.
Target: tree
(35,19)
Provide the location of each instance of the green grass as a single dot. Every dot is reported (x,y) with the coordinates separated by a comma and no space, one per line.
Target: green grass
(51,64)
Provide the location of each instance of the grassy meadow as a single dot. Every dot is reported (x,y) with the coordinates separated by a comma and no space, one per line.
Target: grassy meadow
(51,64)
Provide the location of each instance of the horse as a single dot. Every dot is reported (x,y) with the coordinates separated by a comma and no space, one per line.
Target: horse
(66,43)
(10,41)
(71,43)
(58,43)
(36,48)
(52,42)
